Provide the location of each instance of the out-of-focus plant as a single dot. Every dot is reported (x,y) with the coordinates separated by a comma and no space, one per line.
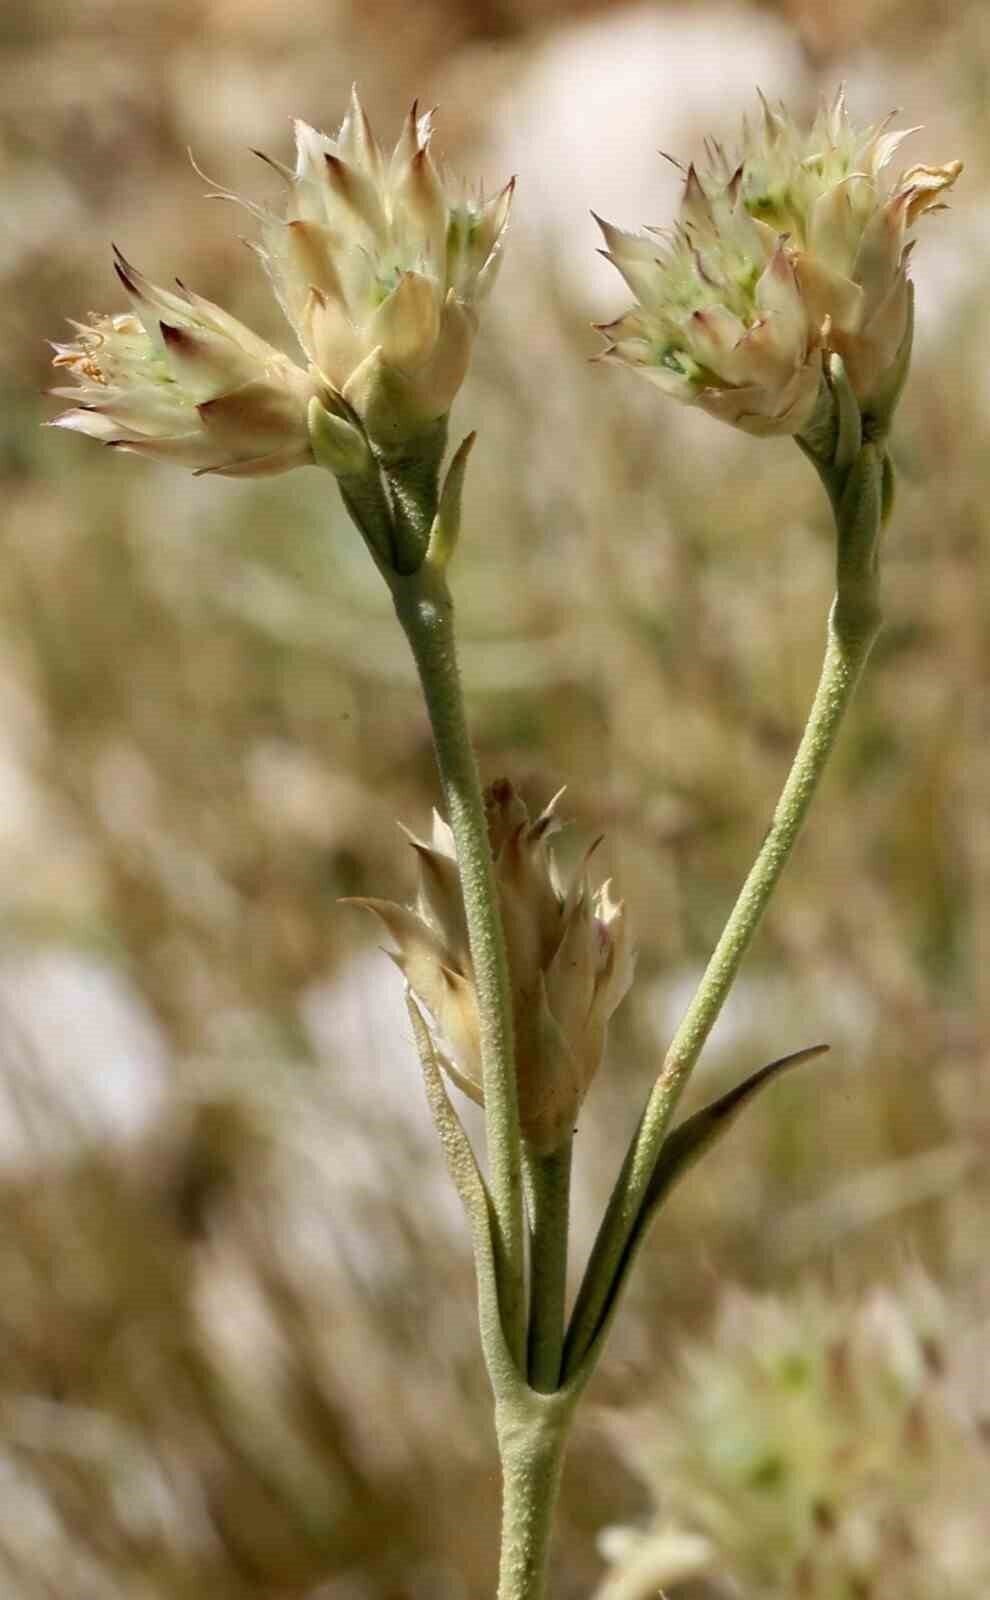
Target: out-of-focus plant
(813,1445)
(780,303)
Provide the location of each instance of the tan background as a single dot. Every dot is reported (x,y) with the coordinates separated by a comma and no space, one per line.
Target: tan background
(237,1354)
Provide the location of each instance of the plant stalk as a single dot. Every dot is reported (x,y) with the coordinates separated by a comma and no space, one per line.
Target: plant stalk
(548,1191)
(532,1438)
(853,624)
(424,607)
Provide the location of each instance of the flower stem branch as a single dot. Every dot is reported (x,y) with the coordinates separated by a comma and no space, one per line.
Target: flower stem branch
(853,624)
(548,1189)
(424,607)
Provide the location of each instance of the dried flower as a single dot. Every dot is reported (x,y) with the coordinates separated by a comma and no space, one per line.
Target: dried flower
(814,1445)
(793,250)
(570,964)
(381,271)
(188,384)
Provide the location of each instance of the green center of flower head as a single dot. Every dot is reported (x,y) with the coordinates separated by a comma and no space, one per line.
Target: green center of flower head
(462,228)
(117,351)
(677,361)
(716,264)
(772,207)
(784,170)
(782,192)
(682,364)
(384,279)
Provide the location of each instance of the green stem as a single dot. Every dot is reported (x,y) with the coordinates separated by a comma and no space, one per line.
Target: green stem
(532,1439)
(425,610)
(853,624)
(412,471)
(845,658)
(548,1191)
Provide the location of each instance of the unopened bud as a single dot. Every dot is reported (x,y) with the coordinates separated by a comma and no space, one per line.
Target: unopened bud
(570,964)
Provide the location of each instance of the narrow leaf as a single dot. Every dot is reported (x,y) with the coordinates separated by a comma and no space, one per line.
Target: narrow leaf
(447,522)
(681,1149)
(883,403)
(849,439)
(687,1143)
(473,1192)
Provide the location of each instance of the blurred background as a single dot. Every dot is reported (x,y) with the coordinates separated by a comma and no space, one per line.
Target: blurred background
(238,1354)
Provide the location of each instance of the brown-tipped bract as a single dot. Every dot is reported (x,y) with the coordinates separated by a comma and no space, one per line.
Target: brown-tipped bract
(184,381)
(570,963)
(794,251)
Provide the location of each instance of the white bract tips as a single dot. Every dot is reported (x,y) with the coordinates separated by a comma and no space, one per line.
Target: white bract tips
(570,964)
(792,251)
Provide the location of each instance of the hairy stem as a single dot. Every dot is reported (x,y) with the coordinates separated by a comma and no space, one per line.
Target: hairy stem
(425,610)
(853,624)
(532,1441)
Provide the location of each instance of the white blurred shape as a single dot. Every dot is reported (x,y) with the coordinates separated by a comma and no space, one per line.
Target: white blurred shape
(81,1060)
(585,122)
(359,1026)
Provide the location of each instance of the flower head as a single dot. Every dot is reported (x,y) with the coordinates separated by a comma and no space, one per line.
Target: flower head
(381,269)
(185,382)
(795,249)
(818,1446)
(570,964)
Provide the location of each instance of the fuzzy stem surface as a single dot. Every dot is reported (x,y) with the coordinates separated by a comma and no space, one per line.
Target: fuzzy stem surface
(853,624)
(424,607)
(532,1440)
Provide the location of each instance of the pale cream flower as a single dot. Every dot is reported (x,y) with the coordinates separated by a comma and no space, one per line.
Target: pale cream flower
(821,1445)
(792,250)
(570,962)
(188,383)
(382,270)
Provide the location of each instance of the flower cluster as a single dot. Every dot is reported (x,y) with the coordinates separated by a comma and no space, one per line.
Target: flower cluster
(380,272)
(188,383)
(793,250)
(812,1448)
(570,964)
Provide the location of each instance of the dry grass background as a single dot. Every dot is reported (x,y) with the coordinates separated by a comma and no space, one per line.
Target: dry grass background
(237,1353)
